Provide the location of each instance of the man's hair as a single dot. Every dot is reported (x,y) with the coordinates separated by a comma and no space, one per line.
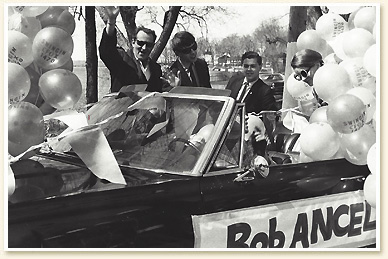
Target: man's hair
(145,30)
(182,40)
(306,58)
(252,54)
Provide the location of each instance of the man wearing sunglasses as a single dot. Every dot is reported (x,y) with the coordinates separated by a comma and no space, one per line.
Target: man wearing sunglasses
(133,66)
(248,88)
(190,70)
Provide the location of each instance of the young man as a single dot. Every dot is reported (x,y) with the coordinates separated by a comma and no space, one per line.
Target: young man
(131,67)
(190,70)
(248,88)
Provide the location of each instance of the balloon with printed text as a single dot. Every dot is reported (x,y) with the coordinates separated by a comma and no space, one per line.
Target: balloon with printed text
(368,98)
(330,25)
(357,144)
(52,47)
(19,83)
(346,113)
(25,127)
(19,48)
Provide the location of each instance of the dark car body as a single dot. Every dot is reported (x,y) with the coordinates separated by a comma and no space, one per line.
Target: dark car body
(60,203)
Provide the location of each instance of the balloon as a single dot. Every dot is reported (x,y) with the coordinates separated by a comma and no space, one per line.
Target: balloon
(19,48)
(371,159)
(25,127)
(346,113)
(330,81)
(56,16)
(357,73)
(342,9)
(60,88)
(308,107)
(52,47)
(332,59)
(18,83)
(357,144)
(30,11)
(369,60)
(319,115)
(336,44)
(29,26)
(356,42)
(374,32)
(303,158)
(310,39)
(330,25)
(299,90)
(351,18)
(319,141)
(370,83)
(368,98)
(365,18)
(370,190)
(374,121)
(68,66)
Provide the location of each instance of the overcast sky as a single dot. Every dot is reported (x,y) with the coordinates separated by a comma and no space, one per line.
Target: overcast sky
(243,19)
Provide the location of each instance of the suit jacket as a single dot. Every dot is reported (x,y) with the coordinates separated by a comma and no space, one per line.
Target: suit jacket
(124,69)
(260,97)
(202,71)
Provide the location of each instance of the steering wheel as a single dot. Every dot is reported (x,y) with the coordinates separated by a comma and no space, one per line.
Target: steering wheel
(187,143)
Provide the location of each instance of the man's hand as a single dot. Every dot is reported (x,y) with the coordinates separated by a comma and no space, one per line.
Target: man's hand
(112,13)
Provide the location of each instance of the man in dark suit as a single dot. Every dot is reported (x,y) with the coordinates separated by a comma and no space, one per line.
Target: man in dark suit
(133,66)
(248,88)
(190,70)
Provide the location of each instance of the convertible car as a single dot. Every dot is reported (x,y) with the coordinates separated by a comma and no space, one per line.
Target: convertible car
(189,180)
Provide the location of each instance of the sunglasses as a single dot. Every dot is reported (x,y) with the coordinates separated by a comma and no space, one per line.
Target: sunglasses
(142,43)
(302,74)
(187,50)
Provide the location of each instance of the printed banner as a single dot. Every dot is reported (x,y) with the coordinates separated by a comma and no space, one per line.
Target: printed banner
(343,220)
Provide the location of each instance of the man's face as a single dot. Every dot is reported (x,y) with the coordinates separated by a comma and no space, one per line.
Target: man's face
(251,69)
(143,45)
(188,54)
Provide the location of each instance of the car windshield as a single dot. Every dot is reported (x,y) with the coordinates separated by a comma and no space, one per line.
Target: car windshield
(163,134)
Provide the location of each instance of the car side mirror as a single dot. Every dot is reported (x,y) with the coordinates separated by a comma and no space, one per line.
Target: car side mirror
(259,165)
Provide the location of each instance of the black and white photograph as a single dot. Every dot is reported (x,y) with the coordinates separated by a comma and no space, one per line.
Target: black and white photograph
(192,127)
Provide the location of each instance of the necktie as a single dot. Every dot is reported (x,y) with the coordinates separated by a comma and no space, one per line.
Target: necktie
(242,93)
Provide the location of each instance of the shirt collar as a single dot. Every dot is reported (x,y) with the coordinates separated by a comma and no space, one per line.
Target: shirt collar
(251,83)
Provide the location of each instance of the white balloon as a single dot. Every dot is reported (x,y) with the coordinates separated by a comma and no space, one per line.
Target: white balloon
(368,98)
(330,25)
(336,45)
(357,73)
(370,190)
(356,42)
(365,18)
(369,60)
(371,159)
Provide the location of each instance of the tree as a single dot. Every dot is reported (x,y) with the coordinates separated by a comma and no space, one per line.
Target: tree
(91,56)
